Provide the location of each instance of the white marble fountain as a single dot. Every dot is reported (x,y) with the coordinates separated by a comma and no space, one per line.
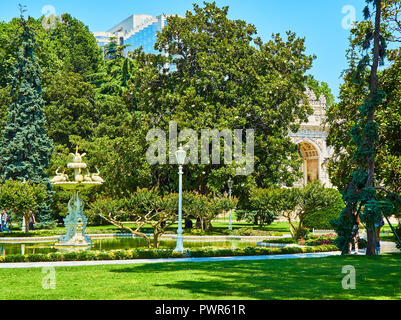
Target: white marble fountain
(75,223)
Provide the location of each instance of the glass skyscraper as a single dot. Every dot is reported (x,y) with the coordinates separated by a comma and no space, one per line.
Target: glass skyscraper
(136,31)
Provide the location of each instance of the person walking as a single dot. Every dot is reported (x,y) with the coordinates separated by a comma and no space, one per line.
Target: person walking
(355,236)
(378,227)
(8,221)
(32,220)
(4,220)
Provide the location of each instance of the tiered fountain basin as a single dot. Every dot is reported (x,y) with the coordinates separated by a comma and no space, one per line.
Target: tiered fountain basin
(77,186)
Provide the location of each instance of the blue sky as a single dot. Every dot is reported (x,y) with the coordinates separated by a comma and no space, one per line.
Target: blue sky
(319,21)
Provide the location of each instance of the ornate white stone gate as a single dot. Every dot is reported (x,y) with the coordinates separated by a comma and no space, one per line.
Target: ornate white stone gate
(312,139)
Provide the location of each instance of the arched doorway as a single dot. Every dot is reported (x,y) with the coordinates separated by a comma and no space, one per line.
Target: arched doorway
(310,165)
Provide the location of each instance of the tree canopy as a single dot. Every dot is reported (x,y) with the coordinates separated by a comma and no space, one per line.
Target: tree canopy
(211,73)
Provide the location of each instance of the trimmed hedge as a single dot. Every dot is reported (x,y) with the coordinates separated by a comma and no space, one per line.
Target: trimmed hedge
(281,240)
(249,231)
(160,253)
(260,251)
(321,219)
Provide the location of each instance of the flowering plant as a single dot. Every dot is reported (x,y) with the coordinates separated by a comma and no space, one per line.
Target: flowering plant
(321,240)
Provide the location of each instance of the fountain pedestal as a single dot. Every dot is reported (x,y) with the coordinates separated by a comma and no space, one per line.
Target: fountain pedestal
(75,225)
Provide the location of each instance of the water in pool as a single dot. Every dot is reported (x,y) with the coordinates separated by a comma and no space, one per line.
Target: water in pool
(121,243)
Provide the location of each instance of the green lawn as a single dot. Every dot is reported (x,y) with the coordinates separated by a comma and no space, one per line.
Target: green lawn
(320,278)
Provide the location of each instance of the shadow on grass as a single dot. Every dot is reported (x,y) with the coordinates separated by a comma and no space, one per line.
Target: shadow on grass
(320,278)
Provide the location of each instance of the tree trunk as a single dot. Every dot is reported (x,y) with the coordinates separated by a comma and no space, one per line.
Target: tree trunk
(371,245)
(26,224)
(156,239)
(370,168)
(292,228)
(255,221)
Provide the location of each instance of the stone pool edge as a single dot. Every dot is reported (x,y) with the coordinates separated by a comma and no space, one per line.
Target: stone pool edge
(128,235)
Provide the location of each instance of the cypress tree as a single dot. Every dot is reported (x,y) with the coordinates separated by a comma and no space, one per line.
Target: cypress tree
(26,149)
(125,75)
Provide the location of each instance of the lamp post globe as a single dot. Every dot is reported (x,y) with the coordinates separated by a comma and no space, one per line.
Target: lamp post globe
(180,156)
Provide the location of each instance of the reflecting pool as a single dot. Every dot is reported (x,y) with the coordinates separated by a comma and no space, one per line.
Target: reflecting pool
(122,243)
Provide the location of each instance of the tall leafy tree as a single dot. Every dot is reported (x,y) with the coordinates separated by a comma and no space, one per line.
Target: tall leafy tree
(219,74)
(26,149)
(76,46)
(71,107)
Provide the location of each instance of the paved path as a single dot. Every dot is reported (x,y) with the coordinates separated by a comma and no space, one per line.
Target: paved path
(387,246)
(138,261)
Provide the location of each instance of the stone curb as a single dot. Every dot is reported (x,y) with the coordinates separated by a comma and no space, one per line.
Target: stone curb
(279,245)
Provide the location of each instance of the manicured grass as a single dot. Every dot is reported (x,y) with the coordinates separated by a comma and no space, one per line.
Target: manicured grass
(317,278)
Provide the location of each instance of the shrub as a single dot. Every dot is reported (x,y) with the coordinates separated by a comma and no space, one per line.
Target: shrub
(301,233)
(56,256)
(320,219)
(247,231)
(319,240)
(281,240)
(85,256)
(37,258)
(70,256)
(14,258)
(176,255)
(326,240)
(146,254)
(102,256)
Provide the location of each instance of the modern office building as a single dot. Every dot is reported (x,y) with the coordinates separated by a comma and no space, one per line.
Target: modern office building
(135,31)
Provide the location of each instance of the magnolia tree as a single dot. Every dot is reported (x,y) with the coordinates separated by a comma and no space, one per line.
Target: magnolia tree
(22,198)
